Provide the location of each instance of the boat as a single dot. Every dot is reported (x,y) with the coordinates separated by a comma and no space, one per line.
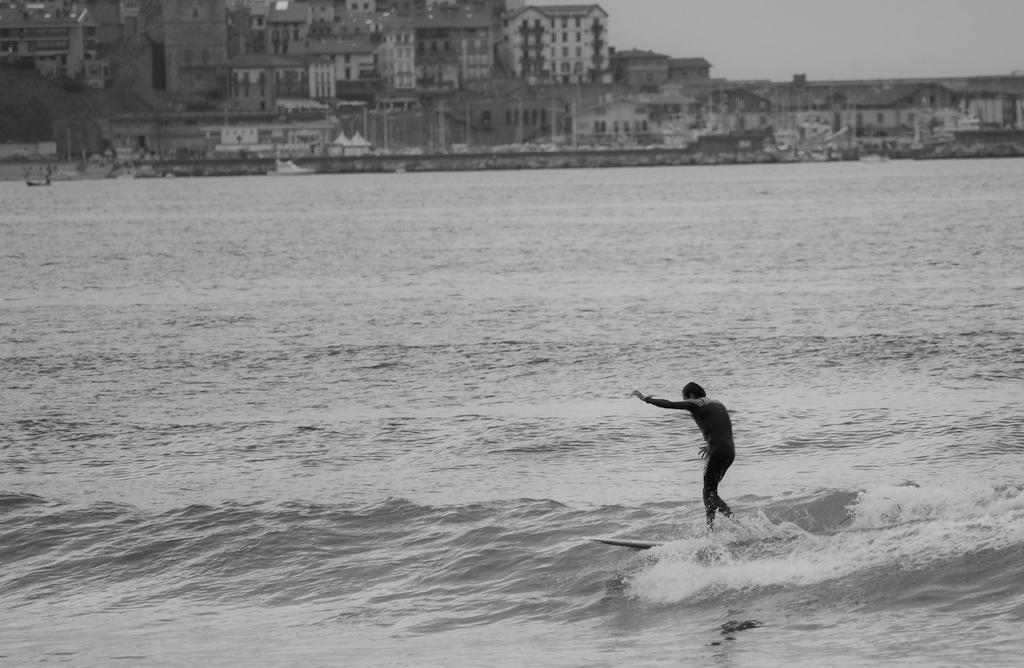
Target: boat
(37,180)
(81,171)
(288,168)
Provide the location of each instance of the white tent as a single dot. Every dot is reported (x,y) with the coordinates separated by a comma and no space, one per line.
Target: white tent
(343,145)
(358,145)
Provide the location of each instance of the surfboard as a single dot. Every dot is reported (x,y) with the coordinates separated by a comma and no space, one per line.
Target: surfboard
(630,542)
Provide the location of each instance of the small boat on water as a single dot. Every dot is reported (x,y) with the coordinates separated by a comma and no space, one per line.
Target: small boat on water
(288,168)
(38,177)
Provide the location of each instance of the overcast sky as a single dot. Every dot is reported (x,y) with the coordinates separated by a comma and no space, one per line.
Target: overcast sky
(826,39)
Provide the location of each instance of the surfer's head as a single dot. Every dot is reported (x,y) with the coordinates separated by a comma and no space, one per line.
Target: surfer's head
(693,391)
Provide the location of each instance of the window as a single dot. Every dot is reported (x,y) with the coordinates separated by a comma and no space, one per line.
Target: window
(881,118)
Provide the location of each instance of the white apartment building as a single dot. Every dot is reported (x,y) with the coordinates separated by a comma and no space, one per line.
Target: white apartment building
(56,44)
(397,53)
(557,44)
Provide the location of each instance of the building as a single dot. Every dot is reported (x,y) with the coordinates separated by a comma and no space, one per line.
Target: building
(357,25)
(733,110)
(320,57)
(396,55)
(247,27)
(109,17)
(322,11)
(288,23)
(646,71)
(687,70)
(893,111)
(96,73)
(349,63)
(258,81)
(292,140)
(453,47)
(203,134)
(130,17)
(618,121)
(557,44)
(188,45)
(994,109)
(56,43)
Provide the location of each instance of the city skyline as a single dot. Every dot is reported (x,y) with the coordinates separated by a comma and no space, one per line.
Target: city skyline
(874,39)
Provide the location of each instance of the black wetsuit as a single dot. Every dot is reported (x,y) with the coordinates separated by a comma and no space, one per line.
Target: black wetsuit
(713,419)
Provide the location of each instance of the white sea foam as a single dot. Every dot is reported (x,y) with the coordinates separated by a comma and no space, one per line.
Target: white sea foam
(902,527)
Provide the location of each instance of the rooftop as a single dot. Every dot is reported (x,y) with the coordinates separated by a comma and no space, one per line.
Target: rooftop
(688,62)
(443,18)
(284,11)
(561,10)
(630,54)
(16,17)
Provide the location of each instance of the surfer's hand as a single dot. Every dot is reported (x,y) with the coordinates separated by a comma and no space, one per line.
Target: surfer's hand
(638,394)
(704,452)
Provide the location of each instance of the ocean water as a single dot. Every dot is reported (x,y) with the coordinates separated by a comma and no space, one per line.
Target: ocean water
(374,420)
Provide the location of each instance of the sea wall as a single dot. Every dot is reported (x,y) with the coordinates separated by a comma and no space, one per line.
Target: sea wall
(442,162)
(448,162)
(970,145)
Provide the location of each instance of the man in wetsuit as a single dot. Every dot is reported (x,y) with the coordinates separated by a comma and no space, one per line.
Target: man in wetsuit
(713,419)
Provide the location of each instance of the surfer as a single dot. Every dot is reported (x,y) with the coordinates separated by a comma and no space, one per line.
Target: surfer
(713,420)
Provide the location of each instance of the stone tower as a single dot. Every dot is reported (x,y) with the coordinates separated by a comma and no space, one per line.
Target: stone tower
(188,41)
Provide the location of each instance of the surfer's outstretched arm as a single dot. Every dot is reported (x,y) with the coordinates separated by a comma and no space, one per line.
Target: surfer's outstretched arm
(665,403)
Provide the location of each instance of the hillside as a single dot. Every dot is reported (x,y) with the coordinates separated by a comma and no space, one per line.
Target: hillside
(30,104)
